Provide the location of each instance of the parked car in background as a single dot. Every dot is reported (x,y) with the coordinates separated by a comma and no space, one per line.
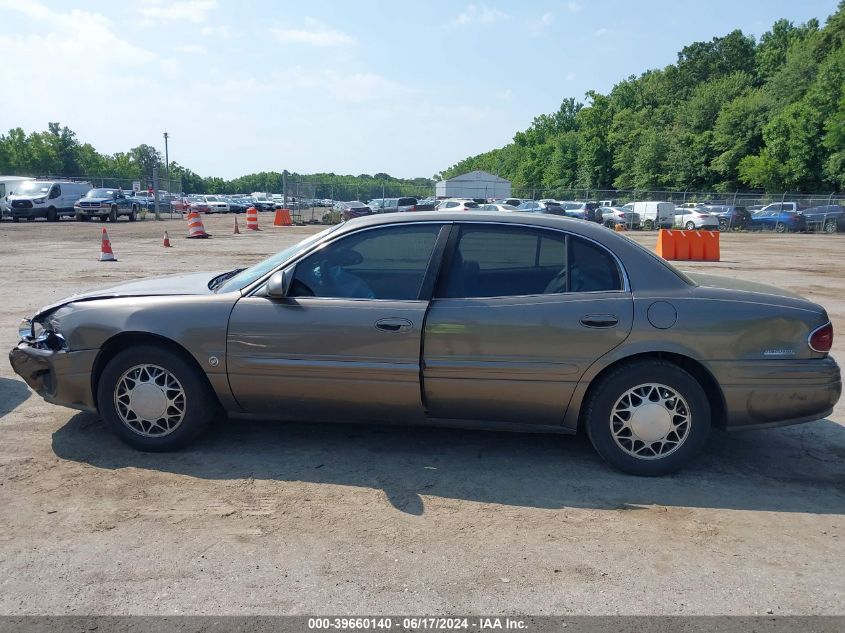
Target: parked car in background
(426,204)
(377,204)
(399,205)
(237,205)
(497,206)
(767,219)
(537,206)
(781,206)
(8,186)
(611,216)
(695,218)
(514,202)
(580,210)
(653,213)
(213,204)
(483,320)
(458,204)
(106,204)
(729,216)
(353,209)
(49,199)
(829,218)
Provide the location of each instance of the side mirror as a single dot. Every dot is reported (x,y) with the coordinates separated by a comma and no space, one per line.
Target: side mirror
(279,284)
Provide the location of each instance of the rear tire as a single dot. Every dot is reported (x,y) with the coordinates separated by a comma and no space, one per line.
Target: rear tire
(830,226)
(647,418)
(724,225)
(113,214)
(780,227)
(690,226)
(153,399)
(132,214)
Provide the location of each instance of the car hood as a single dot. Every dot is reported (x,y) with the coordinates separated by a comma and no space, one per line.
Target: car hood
(730,283)
(192,284)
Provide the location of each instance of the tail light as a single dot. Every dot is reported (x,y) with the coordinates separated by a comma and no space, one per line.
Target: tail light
(621,215)
(821,339)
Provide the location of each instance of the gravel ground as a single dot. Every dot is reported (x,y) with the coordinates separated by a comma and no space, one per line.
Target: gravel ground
(298,518)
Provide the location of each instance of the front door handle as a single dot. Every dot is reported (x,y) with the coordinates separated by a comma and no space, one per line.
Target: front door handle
(394,325)
(599,320)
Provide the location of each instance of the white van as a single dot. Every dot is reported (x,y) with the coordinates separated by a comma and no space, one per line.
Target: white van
(9,185)
(49,199)
(653,214)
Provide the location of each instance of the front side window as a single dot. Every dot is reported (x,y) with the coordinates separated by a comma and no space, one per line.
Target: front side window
(498,261)
(388,263)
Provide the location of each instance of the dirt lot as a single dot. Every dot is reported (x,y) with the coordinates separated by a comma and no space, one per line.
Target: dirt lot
(275,518)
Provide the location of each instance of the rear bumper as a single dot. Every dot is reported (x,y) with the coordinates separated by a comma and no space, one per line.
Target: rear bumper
(760,394)
(62,378)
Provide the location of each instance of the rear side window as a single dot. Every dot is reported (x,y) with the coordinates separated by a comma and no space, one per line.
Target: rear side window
(497,261)
(407,202)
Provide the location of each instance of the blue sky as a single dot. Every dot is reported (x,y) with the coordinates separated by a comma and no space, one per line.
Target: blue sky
(405,87)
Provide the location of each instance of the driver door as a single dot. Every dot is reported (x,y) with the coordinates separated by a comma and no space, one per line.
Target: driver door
(345,342)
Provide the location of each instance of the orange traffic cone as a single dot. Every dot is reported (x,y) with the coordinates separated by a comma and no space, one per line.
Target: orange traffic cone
(166,240)
(106,253)
(237,230)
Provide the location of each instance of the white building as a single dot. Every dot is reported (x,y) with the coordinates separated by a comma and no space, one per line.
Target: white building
(475,184)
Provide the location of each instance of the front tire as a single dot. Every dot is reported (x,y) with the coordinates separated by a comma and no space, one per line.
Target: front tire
(52,215)
(724,225)
(153,399)
(113,214)
(647,418)
(648,225)
(830,227)
(690,226)
(133,214)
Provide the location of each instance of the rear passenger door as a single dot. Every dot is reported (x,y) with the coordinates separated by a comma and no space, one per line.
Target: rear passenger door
(518,315)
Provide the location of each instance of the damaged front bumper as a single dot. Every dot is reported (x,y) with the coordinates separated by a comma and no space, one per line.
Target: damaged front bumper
(60,377)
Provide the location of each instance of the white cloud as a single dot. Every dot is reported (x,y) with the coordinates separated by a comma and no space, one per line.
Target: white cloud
(224,32)
(195,11)
(574,7)
(314,33)
(479,13)
(601,31)
(538,27)
(192,49)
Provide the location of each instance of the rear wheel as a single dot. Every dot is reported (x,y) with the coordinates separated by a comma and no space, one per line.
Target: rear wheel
(113,214)
(14,219)
(780,227)
(690,226)
(724,225)
(830,226)
(153,399)
(132,214)
(647,418)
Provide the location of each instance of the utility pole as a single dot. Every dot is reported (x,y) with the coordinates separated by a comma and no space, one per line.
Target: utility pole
(167,162)
(285,188)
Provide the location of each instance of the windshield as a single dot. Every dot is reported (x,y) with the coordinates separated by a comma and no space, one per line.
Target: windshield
(246,277)
(100,193)
(211,199)
(31,188)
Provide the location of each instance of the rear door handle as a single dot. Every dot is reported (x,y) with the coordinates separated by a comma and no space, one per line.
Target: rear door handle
(394,325)
(599,320)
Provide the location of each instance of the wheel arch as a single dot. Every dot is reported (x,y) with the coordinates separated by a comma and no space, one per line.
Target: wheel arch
(125,340)
(715,396)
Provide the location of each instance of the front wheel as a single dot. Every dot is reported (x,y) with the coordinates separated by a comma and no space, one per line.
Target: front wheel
(724,225)
(690,226)
(153,399)
(113,214)
(648,225)
(830,226)
(52,215)
(133,214)
(647,418)
(780,227)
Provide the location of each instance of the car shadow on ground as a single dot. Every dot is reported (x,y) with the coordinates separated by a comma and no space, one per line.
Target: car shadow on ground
(12,393)
(793,469)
